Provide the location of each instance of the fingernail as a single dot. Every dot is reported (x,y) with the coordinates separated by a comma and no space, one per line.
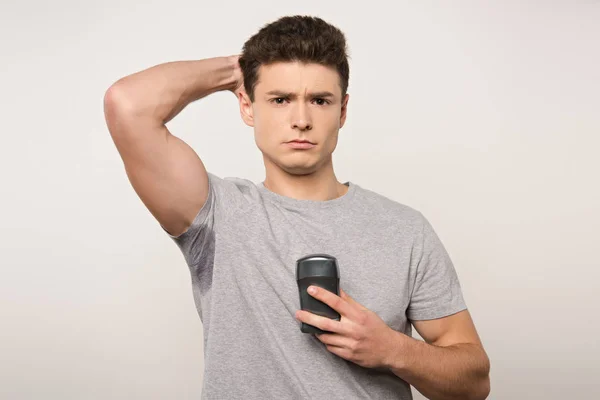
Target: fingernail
(312,290)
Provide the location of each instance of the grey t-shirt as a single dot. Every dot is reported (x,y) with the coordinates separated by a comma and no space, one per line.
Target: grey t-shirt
(241,251)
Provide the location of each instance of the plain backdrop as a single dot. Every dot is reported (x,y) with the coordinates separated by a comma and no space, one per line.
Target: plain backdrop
(483,115)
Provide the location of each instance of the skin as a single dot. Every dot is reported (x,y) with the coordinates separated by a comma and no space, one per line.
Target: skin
(295,100)
(451,363)
(172,182)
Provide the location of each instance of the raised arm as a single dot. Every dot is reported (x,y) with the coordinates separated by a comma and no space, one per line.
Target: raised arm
(165,172)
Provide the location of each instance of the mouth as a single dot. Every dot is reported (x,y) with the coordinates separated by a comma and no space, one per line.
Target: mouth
(300,144)
(300,141)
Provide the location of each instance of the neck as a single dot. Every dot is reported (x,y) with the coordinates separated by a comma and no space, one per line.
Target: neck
(321,185)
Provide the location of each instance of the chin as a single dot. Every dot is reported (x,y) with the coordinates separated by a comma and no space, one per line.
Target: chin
(299,170)
(296,164)
(299,167)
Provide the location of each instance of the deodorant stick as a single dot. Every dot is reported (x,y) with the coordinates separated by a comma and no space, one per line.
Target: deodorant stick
(319,270)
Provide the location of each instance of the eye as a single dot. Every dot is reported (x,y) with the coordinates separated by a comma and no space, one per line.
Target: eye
(320,101)
(278,100)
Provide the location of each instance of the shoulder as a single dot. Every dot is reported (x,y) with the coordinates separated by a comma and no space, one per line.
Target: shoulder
(232,183)
(393,211)
(232,193)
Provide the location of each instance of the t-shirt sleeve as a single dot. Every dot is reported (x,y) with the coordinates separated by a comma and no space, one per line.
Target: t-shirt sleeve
(197,243)
(436,292)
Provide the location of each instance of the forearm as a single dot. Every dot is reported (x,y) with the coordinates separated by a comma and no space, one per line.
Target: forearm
(442,373)
(162,91)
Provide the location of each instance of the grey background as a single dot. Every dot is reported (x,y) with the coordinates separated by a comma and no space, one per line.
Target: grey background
(482,115)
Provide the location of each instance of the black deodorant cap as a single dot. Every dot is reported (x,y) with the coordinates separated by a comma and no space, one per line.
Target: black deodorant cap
(317,265)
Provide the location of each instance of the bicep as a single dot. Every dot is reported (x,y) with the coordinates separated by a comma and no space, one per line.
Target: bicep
(165,172)
(449,330)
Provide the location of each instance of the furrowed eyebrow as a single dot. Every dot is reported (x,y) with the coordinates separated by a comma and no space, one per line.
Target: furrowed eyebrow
(292,95)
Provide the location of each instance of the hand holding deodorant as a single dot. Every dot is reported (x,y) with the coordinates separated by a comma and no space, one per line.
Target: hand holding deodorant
(319,270)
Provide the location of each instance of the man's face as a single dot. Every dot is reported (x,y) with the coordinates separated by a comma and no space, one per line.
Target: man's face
(296,101)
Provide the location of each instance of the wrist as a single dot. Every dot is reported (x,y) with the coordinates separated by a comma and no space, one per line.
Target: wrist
(398,353)
(216,74)
(235,73)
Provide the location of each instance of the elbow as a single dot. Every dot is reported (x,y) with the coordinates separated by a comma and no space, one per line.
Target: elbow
(477,391)
(484,385)
(120,111)
(483,390)
(117,100)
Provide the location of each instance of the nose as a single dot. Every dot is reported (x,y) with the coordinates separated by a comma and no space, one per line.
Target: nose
(301,118)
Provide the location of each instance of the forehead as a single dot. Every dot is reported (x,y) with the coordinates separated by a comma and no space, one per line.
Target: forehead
(297,77)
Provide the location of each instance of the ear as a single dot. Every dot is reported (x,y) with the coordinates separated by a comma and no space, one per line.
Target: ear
(246,111)
(344,109)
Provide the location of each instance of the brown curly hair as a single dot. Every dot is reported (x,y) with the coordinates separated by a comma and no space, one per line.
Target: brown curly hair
(295,38)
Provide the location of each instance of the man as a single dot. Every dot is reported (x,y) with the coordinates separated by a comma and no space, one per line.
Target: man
(241,240)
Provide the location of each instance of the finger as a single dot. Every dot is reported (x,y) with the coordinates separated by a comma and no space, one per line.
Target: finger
(340,351)
(350,300)
(323,323)
(333,339)
(334,301)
